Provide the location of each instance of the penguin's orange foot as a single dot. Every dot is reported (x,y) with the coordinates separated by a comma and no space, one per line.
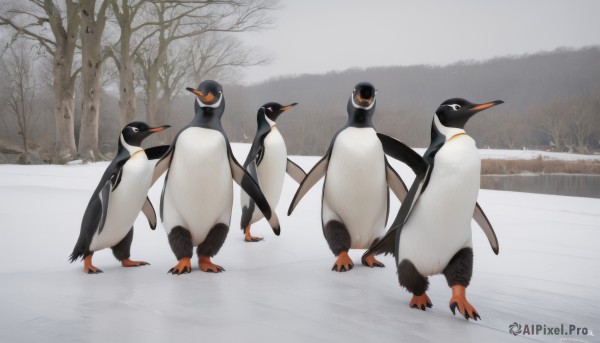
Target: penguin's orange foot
(129,263)
(184,266)
(459,301)
(370,261)
(420,302)
(88,268)
(92,270)
(249,238)
(207,266)
(343,263)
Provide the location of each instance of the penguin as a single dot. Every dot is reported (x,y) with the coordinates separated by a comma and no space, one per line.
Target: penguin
(355,199)
(267,162)
(432,231)
(120,195)
(197,196)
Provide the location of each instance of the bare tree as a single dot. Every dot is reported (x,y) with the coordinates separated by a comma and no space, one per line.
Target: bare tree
(500,129)
(171,79)
(126,13)
(583,124)
(18,73)
(29,21)
(92,29)
(211,53)
(551,120)
(178,20)
(208,56)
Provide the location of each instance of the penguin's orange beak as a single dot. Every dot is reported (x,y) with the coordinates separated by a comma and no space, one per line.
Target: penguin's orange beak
(158,129)
(285,108)
(362,101)
(205,98)
(486,105)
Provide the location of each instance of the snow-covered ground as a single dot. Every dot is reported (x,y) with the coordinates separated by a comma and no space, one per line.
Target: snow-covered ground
(282,289)
(501,154)
(533,154)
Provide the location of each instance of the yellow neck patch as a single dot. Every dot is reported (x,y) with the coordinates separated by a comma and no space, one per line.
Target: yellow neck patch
(456,135)
(141,151)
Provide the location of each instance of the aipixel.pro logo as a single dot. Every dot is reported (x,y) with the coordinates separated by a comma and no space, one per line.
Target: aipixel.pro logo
(545,330)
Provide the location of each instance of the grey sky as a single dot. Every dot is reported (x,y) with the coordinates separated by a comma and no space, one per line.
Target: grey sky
(316,36)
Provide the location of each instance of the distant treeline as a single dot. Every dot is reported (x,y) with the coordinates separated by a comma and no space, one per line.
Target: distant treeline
(552,102)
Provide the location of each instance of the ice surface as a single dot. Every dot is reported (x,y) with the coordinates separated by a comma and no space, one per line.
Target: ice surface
(282,289)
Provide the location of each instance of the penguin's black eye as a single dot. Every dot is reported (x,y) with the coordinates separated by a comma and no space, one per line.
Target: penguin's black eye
(135,129)
(455,107)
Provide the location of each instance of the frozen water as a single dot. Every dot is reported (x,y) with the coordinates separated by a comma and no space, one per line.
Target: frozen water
(282,289)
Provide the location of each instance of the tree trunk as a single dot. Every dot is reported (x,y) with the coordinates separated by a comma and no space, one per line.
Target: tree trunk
(556,137)
(152,94)
(152,68)
(127,98)
(64,109)
(125,13)
(151,75)
(25,112)
(64,79)
(91,70)
(88,131)
(164,108)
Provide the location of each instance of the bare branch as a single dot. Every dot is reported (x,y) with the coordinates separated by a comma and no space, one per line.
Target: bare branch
(47,43)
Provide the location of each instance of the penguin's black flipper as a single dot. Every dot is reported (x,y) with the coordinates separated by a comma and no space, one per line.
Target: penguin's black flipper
(256,152)
(248,208)
(247,183)
(394,181)
(255,156)
(313,176)
(149,212)
(163,164)
(294,170)
(411,199)
(104,199)
(116,180)
(389,242)
(156,152)
(89,225)
(487,228)
(403,153)
(386,245)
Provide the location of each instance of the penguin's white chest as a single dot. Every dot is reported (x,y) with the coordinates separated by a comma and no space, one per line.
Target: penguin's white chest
(355,190)
(199,189)
(440,223)
(125,202)
(271,170)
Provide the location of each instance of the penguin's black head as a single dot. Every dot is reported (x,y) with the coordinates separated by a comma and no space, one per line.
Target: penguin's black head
(456,112)
(361,105)
(363,96)
(209,94)
(273,109)
(135,132)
